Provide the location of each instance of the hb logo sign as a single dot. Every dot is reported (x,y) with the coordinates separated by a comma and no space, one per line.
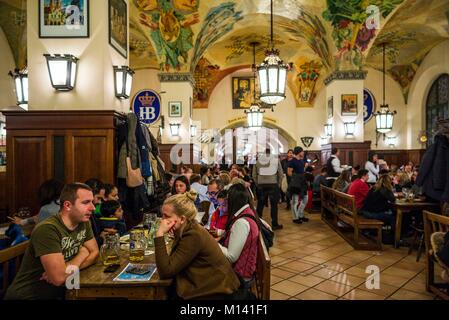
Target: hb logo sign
(147,106)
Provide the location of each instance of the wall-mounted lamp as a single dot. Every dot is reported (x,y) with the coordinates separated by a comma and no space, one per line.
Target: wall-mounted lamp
(123,77)
(192,130)
(174,129)
(392,141)
(323,140)
(349,128)
(328,129)
(21,83)
(62,70)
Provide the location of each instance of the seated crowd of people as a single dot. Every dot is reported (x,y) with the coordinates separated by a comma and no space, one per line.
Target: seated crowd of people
(214,257)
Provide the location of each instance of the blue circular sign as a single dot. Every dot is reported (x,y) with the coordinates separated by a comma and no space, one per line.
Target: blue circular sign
(147,106)
(369,105)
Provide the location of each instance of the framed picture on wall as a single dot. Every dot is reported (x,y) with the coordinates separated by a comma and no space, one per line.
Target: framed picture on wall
(349,104)
(243,93)
(63,19)
(330,107)
(118,26)
(174,109)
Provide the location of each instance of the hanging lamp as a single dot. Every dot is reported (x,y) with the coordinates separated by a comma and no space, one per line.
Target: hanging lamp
(384,117)
(272,73)
(254,114)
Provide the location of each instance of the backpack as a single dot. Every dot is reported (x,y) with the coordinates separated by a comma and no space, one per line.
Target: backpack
(265,230)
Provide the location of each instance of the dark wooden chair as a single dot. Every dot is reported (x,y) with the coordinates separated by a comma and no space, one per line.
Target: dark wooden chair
(261,287)
(8,257)
(434,223)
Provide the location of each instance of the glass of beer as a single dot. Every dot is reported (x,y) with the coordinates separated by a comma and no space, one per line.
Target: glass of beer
(110,250)
(137,245)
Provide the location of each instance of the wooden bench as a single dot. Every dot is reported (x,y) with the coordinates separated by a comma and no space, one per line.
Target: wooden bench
(434,223)
(337,208)
(262,284)
(8,255)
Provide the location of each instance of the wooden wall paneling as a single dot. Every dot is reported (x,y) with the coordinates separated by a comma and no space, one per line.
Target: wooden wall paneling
(89,154)
(28,166)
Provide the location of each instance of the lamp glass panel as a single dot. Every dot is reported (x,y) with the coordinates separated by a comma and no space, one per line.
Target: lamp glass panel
(389,120)
(25,89)
(282,77)
(19,89)
(73,75)
(129,81)
(263,80)
(272,79)
(58,71)
(119,82)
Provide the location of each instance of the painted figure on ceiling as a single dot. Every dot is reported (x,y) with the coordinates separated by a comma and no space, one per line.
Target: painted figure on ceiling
(170,24)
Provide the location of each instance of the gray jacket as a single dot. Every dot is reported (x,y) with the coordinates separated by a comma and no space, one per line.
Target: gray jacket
(267,170)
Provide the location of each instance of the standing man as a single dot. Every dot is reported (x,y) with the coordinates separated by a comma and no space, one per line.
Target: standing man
(60,241)
(298,185)
(267,173)
(284,164)
(333,166)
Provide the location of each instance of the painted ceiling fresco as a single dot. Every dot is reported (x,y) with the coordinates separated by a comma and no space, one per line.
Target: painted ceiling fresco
(408,36)
(211,38)
(13,22)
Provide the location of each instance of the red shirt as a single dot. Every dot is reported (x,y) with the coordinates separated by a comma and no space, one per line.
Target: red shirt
(359,189)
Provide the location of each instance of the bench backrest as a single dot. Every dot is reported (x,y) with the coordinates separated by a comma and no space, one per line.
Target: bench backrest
(434,223)
(8,255)
(263,271)
(339,203)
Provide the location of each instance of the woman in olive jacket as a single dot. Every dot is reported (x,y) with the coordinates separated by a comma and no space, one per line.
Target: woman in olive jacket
(196,263)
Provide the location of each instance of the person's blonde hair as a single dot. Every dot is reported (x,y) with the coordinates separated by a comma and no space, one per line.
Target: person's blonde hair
(225,178)
(384,182)
(342,181)
(183,204)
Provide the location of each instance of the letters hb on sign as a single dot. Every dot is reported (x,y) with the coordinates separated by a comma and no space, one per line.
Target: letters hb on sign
(147,113)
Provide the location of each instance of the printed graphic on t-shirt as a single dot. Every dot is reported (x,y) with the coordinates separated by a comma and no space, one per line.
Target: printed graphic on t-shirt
(70,246)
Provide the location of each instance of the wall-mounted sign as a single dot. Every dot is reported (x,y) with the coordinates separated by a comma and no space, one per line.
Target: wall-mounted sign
(369,105)
(146,105)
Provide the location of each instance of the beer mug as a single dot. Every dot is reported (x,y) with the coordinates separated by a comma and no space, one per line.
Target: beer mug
(137,245)
(110,250)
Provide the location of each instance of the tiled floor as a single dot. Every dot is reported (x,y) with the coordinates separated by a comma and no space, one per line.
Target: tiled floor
(311,262)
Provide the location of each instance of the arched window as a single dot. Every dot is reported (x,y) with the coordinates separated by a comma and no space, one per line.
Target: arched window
(437,104)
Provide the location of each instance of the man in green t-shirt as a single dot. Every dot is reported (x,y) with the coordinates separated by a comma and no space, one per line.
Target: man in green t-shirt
(56,243)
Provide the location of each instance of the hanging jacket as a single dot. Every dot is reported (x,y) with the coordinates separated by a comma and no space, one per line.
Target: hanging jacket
(145,165)
(433,174)
(122,140)
(133,151)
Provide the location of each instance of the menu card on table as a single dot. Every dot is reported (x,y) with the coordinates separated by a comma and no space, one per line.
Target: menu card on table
(136,272)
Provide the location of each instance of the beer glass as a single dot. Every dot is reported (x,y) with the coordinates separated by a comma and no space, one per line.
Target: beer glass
(137,245)
(110,250)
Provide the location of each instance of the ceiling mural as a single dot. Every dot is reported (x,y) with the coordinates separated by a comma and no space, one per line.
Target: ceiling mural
(210,38)
(408,36)
(13,22)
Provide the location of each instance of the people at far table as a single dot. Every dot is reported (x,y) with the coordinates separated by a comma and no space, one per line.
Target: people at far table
(220,216)
(181,185)
(379,200)
(355,172)
(110,192)
(112,217)
(343,181)
(333,166)
(60,241)
(359,188)
(48,195)
(196,263)
(372,166)
(319,180)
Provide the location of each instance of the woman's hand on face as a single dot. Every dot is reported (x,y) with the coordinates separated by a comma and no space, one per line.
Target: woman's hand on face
(164,227)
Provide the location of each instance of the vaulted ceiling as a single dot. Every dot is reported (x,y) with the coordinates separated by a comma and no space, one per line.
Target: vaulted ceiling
(212,38)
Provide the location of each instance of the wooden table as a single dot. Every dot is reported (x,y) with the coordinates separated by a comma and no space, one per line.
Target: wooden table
(94,283)
(402,206)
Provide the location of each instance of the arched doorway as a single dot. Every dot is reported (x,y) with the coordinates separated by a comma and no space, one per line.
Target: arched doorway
(437,105)
(246,143)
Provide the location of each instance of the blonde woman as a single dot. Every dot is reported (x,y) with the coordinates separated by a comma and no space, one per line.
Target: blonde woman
(196,263)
